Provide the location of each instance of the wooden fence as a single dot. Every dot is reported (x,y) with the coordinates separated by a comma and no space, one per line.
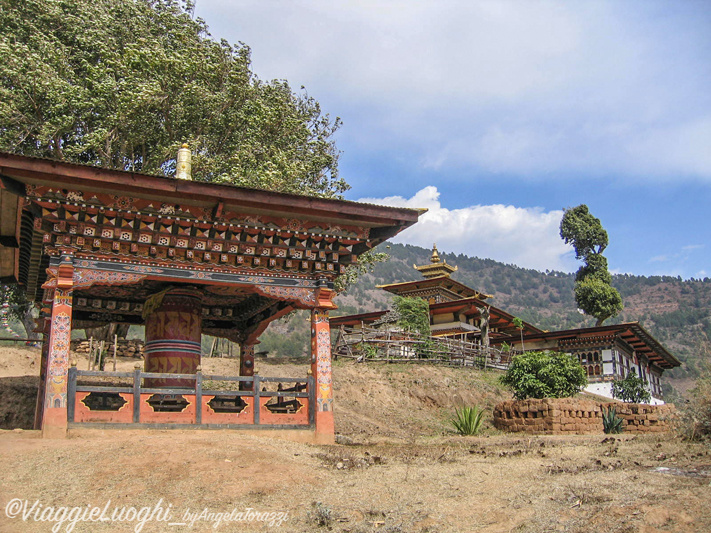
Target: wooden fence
(373,344)
(132,404)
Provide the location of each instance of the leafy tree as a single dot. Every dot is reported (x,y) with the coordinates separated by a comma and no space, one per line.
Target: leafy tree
(414,314)
(122,84)
(631,389)
(595,268)
(584,231)
(545,375)
(366,263)
(598,299)
(593,292)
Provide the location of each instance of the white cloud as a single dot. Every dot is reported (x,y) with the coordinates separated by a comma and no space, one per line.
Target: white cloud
(527,237)
(548,87)
(659,259)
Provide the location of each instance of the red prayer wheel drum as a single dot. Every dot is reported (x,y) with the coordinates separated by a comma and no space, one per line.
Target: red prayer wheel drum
(173,326)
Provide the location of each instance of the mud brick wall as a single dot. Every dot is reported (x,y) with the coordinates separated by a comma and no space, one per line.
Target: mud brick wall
(553,416)
(642,418)
(549,416)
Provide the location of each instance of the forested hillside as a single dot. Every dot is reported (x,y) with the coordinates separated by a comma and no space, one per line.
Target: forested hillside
(677,312)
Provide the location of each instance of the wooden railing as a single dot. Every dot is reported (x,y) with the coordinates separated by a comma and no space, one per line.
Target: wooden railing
(121,405)
(373,344)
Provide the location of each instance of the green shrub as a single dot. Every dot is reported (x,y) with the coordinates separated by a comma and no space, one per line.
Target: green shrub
(632,389)
(367,350)
(467,420)
(545,375)
(611,423)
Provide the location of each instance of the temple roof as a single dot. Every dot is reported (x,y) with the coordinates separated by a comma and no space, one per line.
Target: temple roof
(215,197)
(118,237)
(500,322)
(450,287)
(349,227)
(630,332)
(437,267)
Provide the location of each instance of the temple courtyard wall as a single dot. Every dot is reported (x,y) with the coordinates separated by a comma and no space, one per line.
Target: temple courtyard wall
(559,416)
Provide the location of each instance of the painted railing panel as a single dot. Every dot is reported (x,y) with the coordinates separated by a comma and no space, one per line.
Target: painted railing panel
(291,407)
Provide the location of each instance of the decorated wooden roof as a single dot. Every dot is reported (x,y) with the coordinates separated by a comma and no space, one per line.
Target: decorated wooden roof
(115,213)
(631,333)
(143,232)
(500,322)
(446,287)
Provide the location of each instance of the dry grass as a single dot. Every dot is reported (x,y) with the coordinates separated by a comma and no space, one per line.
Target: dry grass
(404,471)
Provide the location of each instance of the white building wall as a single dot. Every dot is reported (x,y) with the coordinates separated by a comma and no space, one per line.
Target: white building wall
(605,390)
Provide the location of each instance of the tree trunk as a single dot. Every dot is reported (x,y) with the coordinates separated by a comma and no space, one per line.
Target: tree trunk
(28,321)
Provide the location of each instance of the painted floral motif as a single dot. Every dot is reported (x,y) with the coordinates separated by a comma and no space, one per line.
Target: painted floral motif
(58,360)
(167,209)
(304,296)
(123,202)
(323,362)
(75,196)
(84,277)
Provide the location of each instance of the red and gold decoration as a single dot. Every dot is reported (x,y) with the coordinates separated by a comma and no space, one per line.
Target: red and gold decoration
(182,258)
(173,325)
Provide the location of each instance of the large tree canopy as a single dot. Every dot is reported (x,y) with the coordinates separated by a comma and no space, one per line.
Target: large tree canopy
(123,83)
(584,231)
(593,292)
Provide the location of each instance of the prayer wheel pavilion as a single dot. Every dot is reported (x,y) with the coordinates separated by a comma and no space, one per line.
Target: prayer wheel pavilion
(94,246)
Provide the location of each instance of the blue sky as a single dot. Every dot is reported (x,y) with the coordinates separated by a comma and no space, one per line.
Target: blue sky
(496,115)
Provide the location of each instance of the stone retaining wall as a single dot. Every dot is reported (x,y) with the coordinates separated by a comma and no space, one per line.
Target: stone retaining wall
(552,416)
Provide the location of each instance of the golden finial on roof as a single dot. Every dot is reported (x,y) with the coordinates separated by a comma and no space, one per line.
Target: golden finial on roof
(437,267)
(183,168)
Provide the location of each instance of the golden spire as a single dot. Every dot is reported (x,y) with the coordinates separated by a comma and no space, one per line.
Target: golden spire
(437,267)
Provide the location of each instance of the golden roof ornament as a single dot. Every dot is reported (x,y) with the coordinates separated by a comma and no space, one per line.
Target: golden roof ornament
(183,170)
(435,254)
(437,267)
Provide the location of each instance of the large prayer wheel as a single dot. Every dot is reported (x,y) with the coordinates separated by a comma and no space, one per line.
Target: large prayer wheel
(173,326)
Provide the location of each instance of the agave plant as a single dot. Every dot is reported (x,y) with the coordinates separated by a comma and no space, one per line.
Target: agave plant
(467,420)
(611,423)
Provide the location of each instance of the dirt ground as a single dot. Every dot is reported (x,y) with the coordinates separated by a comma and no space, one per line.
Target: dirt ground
(401,469)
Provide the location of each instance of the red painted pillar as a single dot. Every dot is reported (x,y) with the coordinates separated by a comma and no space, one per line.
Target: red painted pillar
(173,328)
(321,369)
(54,416)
